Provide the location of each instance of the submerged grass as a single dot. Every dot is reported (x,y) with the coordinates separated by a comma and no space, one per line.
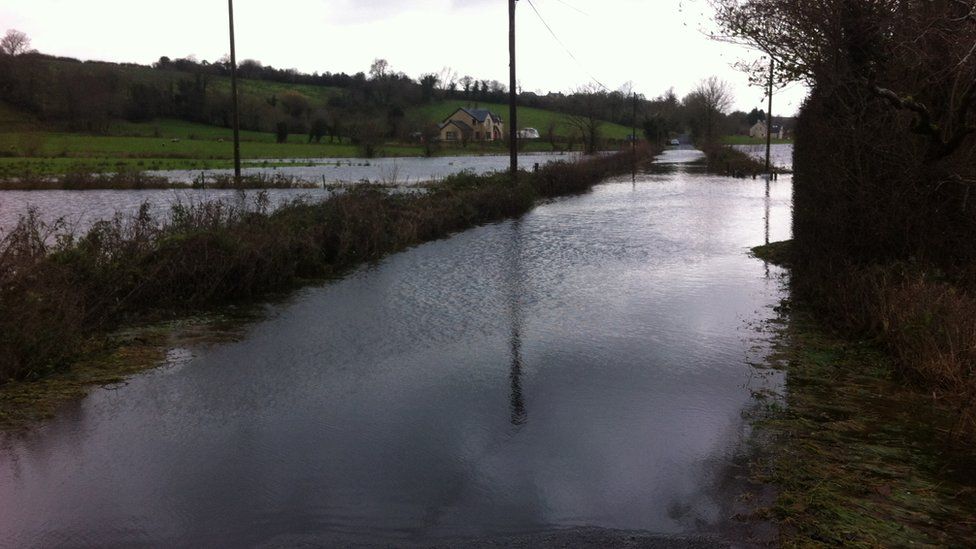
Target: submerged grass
(110,360)
(61,295)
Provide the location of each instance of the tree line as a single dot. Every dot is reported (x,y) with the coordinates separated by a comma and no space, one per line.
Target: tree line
(365,108)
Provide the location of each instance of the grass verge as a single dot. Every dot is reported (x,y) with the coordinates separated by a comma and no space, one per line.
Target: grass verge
(860,457)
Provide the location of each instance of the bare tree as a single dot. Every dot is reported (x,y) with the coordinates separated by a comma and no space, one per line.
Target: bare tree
(587,115)
(551,134)
(710,100)
(14,43)
(379,69)
(447,79)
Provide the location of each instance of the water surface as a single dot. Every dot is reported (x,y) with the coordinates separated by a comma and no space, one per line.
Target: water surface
(403,171)
(584,366)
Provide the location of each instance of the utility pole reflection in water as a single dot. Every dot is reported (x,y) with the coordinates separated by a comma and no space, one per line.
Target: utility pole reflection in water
(766,263)
(515,292)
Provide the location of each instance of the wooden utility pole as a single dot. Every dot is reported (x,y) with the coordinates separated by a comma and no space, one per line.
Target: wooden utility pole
(233,93)
(633,138)
(512,93)
(769,120)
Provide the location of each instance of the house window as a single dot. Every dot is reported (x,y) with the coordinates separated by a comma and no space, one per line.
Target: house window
(452,136)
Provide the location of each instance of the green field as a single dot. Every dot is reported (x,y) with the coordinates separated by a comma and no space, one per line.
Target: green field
(160,145)
(746,140)
(29,148)
(527,117)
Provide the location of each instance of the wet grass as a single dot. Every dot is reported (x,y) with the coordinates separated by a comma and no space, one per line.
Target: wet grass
(861,456)
(26,170)
(55,153)
(855,455)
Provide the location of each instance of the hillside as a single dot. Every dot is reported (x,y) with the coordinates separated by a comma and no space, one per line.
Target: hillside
(59,115)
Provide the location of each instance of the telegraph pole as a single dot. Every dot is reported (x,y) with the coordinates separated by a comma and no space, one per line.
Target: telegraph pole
(769,119)
(633,138)
(512,93)
(233,92)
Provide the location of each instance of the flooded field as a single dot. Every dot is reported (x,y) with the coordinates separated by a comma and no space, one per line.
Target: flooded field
(403,171)
(79,209)
(585,366)
(780,154)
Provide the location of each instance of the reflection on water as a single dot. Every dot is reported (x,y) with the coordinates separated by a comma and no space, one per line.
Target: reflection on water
(585,366)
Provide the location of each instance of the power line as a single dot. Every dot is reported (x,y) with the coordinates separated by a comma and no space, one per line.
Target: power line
(570,53)
(572,7)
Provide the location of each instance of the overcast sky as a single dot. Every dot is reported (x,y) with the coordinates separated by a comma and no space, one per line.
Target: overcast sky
(656,44)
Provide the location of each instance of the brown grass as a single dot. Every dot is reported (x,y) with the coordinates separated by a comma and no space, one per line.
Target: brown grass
(928,326)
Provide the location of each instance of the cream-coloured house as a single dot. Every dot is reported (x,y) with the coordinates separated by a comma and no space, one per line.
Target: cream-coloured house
(472,125)
(759,131)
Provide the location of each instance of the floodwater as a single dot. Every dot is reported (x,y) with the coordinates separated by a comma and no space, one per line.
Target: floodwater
(780,154)
(402,171)
(586,366)
(80,209)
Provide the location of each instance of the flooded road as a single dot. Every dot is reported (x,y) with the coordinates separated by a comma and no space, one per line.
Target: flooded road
(585,366)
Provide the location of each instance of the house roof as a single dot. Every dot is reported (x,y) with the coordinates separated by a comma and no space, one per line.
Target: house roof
(478,114)
(460,125)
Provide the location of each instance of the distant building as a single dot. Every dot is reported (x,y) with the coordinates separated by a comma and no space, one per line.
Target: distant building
(759,131)
(472,125)
(529,133)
